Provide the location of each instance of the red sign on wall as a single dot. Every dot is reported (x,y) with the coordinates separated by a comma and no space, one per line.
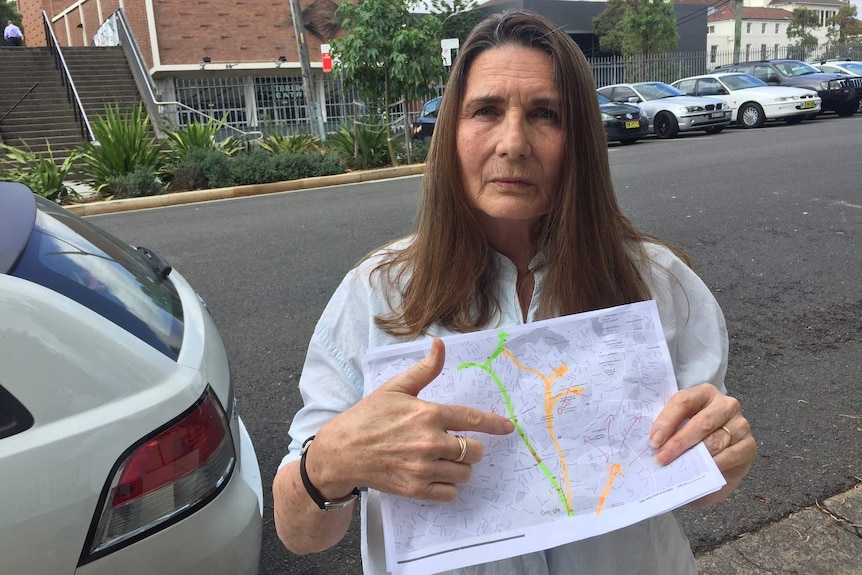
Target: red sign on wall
(326,57)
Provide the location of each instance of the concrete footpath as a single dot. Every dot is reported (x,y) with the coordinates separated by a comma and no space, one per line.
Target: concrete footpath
(825,539)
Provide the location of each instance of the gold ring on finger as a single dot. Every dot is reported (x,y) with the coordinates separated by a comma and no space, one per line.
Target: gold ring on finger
(463,444)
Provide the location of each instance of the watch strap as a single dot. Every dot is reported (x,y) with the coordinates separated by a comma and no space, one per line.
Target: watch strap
(315,495)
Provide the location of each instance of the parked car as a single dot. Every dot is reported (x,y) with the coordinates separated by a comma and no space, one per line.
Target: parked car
(121,450)
(624,123)
(670,111)
(752,101)
(423,125)
(846,67)
(837,92)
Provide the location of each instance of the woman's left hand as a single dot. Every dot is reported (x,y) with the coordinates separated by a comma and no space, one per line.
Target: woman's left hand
(715,419)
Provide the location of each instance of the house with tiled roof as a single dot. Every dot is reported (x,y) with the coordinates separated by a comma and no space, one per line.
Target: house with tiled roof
(764,27)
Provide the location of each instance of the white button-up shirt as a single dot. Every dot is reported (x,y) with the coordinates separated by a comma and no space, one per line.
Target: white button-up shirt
(331,382)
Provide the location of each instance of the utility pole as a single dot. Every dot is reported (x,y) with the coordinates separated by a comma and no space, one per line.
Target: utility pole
(737,32)
(311,106)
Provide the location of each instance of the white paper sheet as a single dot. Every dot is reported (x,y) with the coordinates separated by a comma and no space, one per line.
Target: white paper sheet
(584,391)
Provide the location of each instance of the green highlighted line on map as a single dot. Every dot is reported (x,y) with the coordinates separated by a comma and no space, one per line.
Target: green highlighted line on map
(486,367)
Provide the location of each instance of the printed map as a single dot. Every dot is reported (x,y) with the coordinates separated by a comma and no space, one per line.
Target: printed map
(582,391)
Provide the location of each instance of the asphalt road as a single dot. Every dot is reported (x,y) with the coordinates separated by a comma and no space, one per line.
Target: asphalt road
(773,218)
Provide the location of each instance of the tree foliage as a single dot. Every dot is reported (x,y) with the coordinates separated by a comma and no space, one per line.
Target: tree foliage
(458,17)
(388,54)
(608,25)
(843,26)
(804,20)
(637,27)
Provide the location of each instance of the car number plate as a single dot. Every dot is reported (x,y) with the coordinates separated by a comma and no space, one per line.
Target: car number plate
(717,115)
(633,124)
(808,104)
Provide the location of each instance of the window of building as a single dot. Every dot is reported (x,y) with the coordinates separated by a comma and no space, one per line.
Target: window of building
(710,29)
(713,52)
(763,28)
(748,28)
(215,97)
(777,28)
(748,51)
(280,104)
(763,51)
(775,53)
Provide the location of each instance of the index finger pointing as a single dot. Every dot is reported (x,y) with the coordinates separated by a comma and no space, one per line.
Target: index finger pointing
(461,418)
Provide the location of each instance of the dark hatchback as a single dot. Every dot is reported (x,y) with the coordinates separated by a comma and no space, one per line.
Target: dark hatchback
(623,123)
(423,126)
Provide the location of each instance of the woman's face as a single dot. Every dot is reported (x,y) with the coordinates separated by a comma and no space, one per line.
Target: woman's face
(509,137)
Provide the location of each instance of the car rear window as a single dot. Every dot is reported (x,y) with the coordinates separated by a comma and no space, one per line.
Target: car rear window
(72,257)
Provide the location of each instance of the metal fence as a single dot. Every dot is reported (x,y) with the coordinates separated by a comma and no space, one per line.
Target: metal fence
(276,104)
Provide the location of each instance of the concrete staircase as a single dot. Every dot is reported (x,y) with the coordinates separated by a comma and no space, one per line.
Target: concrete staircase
(44,112)
(101,76)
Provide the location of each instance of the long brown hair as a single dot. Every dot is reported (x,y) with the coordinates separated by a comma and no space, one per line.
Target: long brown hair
(447,274)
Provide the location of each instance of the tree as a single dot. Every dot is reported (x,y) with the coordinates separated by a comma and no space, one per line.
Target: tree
(8,12)
(844,27)
(458,17)
(804,20)
(388,54)
(608,25)
(637,27)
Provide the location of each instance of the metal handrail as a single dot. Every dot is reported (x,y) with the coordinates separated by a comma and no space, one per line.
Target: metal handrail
(145,83)
(71,91)
(21,99)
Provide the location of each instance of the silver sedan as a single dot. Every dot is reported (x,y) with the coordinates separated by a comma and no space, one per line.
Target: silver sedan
(669,110)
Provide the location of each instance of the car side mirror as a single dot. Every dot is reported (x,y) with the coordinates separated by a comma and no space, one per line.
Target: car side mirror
(633,100)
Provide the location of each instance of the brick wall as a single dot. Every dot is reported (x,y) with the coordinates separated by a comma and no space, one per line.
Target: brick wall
(31,21)
(228,31)
(233,32)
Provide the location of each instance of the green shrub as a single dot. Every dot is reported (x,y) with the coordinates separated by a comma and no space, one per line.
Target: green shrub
(361,145)
(123,145)
(297,144)
(296,166)
(211,169)
(40,172)
(198,170)
(200,136)
(419,150)
(140,182)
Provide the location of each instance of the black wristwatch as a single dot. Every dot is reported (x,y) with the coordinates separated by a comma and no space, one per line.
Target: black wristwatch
(315,495)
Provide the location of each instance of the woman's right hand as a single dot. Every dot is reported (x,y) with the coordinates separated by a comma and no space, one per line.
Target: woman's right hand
(394,442)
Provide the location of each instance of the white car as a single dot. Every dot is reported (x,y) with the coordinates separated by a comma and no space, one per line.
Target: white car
(752,100)
(670,111)
(121,450)
(846,67)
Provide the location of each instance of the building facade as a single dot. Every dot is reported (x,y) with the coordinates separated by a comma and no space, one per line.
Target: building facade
(233,58)
(239,59)
(764,28)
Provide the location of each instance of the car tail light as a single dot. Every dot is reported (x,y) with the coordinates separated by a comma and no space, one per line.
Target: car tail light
(163,478)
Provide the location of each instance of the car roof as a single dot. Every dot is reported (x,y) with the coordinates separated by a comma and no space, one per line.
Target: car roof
(713,75)
(17,216)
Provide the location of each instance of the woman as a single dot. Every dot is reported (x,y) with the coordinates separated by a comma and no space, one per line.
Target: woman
(517,222)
